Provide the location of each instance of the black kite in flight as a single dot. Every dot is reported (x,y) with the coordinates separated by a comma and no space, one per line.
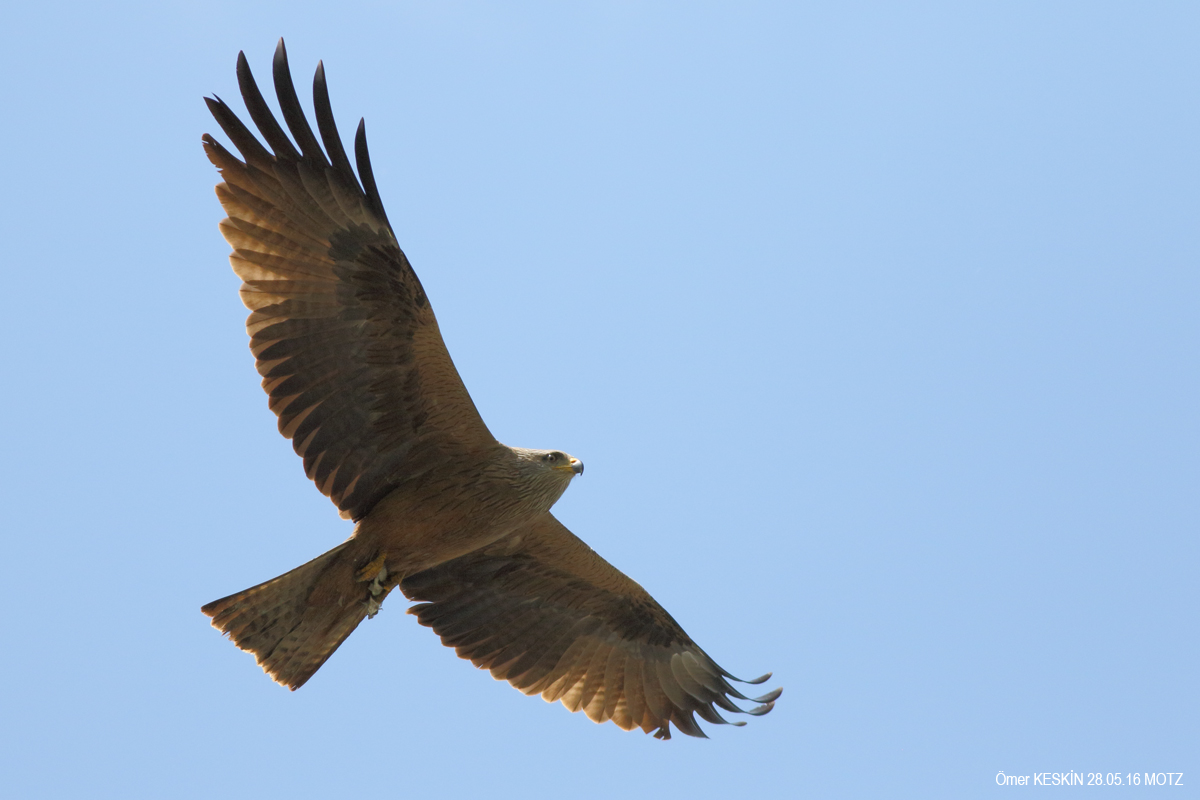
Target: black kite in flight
(356,370)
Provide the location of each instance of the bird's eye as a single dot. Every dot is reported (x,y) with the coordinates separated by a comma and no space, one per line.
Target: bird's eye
(551,457)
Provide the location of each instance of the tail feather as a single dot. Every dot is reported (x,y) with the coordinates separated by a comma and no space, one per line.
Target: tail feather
(293,623)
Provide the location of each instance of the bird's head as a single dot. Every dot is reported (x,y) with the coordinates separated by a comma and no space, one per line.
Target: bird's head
(547,473)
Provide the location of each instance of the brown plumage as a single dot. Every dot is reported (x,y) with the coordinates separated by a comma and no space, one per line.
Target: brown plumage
(356,370)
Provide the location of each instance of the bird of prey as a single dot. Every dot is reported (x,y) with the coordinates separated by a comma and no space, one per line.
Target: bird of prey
(356,370)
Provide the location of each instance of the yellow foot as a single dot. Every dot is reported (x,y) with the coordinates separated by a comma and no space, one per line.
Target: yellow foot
(375,572)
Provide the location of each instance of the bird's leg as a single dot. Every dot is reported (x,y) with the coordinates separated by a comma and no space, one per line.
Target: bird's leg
(375,575)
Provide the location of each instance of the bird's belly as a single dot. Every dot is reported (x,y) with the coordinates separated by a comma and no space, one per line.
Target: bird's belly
(416,530)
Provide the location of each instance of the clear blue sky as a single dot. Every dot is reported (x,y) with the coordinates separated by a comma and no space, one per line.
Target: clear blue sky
(875,324)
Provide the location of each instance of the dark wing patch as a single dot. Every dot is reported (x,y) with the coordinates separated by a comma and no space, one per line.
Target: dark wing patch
(543,611)
(342,332)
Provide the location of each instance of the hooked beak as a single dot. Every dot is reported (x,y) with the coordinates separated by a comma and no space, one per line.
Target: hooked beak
(576,466)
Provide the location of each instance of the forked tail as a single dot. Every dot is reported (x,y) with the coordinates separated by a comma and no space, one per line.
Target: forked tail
(293,623)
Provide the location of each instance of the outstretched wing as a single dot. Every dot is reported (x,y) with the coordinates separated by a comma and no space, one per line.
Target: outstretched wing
(543,611)
(342,332)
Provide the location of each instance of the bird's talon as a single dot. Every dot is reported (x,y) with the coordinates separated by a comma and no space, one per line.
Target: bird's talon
(375,575)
